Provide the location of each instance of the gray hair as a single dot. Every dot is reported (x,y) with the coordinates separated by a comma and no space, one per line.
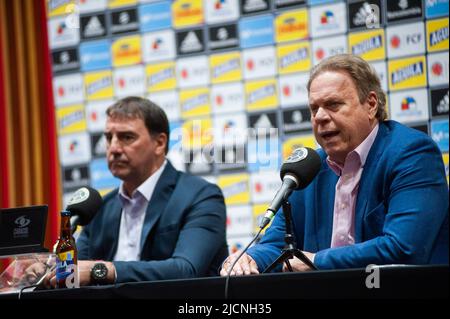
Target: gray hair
(362,73)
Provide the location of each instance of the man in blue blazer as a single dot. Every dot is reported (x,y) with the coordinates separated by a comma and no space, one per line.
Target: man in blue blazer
(160,223)
(381,195)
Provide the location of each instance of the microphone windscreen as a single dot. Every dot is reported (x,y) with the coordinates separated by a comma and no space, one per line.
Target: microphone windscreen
(304,163)
(85,203)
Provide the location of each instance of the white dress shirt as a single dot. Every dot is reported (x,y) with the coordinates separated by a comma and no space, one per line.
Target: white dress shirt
(133,215)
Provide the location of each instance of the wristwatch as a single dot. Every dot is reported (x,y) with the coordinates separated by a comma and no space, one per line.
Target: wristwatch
(99,273)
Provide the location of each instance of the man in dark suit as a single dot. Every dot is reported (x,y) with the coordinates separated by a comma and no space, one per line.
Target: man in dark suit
(160,223)
(381,195)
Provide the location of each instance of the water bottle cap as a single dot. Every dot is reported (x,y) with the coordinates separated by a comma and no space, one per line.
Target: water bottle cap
(65,213)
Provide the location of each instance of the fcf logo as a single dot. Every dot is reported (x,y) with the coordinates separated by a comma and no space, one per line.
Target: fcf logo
(373,279)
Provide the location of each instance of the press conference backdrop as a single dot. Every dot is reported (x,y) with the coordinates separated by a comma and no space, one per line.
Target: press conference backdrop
(221,66)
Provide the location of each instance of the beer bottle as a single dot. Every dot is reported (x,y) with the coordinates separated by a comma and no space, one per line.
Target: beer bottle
(66,256)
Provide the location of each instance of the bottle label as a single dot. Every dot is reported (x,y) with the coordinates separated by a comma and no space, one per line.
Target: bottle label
(66,270)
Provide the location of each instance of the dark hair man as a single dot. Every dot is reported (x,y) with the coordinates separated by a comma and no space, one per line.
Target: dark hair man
(160,223)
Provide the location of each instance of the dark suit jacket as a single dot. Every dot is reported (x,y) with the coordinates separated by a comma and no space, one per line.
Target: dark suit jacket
(401,214)
(183,234)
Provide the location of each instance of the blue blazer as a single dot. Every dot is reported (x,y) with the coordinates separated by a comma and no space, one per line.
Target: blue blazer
(401,214)
(183,234)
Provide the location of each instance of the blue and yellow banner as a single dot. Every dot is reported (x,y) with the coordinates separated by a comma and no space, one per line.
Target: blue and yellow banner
(194,103)
(437,35)
(71,119)
(225,67)
(98,85)
(407,73)
(235,188)
(160,76)
(294,57)
(261,94)
(369,45)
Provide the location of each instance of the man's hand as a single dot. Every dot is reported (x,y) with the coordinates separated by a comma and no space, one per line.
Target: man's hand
(84,273)
(297,264)
(245,265)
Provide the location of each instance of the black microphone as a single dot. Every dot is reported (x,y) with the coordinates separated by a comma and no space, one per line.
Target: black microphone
(297,172)
(83,205)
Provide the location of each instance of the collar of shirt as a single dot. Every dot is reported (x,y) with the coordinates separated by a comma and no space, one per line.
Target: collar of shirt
(358,156)
(145,190)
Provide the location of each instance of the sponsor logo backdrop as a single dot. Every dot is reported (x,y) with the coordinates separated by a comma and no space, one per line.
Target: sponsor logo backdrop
(231,76)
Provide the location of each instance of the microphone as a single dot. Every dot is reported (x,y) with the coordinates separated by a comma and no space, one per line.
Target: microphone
(83,206)
(297,172)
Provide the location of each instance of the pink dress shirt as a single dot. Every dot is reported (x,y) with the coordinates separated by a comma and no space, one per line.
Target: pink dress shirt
(347,191)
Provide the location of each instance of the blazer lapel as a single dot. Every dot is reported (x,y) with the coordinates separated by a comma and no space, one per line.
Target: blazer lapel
(324,193)
(158,202)
(365,183)
(113,215)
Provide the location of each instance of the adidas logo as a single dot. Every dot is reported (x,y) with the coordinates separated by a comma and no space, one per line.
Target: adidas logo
(191,43)
(443,105)
(100,147)
(263,122)
(94,28)
(361,15)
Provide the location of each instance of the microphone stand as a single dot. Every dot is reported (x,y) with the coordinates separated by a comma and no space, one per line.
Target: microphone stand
(290,249)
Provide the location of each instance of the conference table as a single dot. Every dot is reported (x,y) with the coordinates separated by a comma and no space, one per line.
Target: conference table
(383,282)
